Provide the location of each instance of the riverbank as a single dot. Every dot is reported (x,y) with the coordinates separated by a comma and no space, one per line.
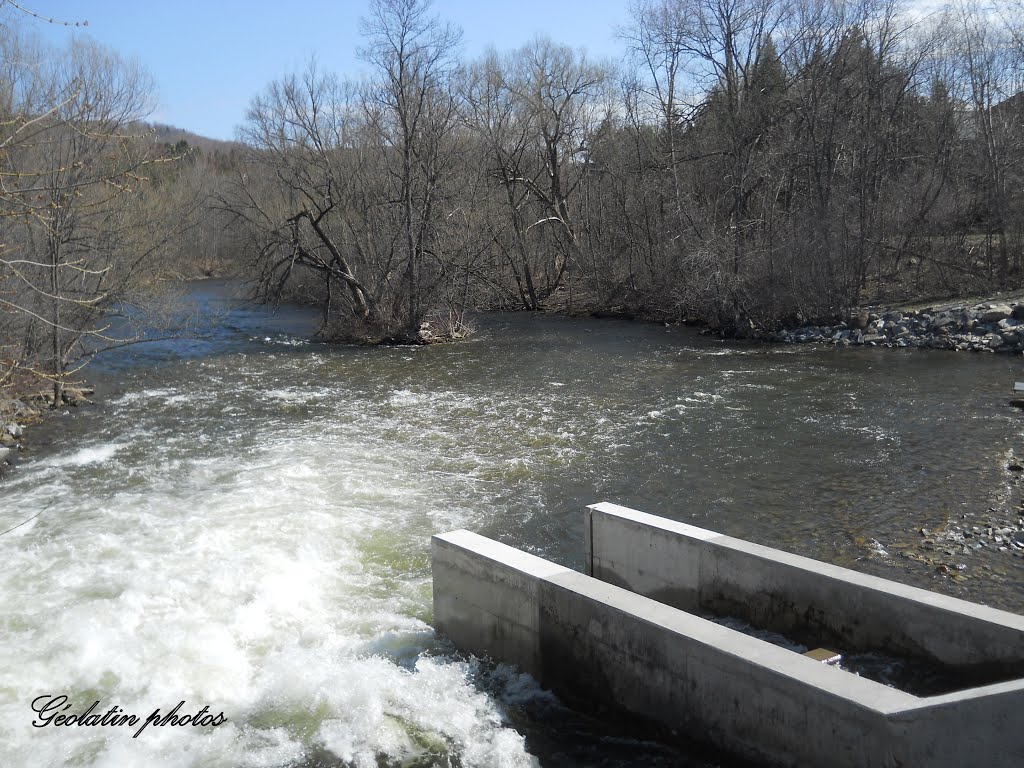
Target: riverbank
(26,408)
(994,325)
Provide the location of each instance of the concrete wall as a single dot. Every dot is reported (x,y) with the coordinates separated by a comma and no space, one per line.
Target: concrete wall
(978,727)
(699,570)
(591,640)
(486,597)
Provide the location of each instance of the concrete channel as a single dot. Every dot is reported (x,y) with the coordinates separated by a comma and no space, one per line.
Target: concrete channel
(632,633)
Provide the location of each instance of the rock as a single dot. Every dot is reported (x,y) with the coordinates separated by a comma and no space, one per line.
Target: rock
(1015,467)
(996,312)
(1018,312)
(13,429)
(4,453)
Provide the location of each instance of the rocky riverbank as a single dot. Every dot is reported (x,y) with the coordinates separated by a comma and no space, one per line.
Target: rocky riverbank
(17,413)
(986,327)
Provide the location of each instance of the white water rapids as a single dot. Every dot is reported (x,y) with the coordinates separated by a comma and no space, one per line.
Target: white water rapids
(276,577)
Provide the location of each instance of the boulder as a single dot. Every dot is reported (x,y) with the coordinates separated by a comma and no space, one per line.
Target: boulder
(995,313)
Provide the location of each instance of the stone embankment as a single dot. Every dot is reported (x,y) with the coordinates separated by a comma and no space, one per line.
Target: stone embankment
(991,327)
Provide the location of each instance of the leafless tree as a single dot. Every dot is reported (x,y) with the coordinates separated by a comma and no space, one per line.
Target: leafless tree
(73,188)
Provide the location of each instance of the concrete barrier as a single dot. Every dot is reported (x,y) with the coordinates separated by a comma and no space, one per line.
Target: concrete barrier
(592,640)
(816,603)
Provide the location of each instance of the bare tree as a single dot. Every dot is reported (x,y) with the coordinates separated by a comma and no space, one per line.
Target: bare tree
(987,77)
(300,137)
(73,193)
(412,107)
(538,112)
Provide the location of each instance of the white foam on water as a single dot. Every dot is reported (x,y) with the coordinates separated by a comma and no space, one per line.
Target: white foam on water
(283,590)
(146,394)
(404,397)
(88,455)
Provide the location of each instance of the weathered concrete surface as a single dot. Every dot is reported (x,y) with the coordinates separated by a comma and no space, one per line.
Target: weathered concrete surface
(699,570)
(486,597)
(589,639)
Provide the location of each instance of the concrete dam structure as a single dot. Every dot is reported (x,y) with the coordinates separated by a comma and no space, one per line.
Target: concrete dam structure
(644,630)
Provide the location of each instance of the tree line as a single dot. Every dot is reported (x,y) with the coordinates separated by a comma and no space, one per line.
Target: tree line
(745,164)
(748,163)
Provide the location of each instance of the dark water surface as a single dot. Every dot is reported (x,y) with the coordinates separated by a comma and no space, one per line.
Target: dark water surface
(243,520)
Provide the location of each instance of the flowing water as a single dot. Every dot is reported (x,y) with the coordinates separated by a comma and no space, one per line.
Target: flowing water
(242,521)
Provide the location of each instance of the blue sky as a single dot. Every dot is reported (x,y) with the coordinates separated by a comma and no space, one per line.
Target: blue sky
(209,59)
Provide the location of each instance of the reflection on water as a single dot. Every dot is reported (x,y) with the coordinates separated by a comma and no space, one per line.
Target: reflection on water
(243,520)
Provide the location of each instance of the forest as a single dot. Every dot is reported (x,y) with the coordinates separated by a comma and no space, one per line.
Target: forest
(745,165)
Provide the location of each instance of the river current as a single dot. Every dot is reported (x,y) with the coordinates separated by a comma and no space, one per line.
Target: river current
(242,521)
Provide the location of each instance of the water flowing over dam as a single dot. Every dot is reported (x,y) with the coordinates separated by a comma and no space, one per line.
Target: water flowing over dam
(243,520)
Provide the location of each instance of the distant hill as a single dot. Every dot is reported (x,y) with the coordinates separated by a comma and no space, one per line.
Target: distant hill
(169,134)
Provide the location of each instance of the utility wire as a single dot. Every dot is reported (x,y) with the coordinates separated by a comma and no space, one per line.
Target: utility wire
(37,514)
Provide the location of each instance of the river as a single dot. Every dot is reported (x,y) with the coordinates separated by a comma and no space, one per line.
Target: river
(242,520)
